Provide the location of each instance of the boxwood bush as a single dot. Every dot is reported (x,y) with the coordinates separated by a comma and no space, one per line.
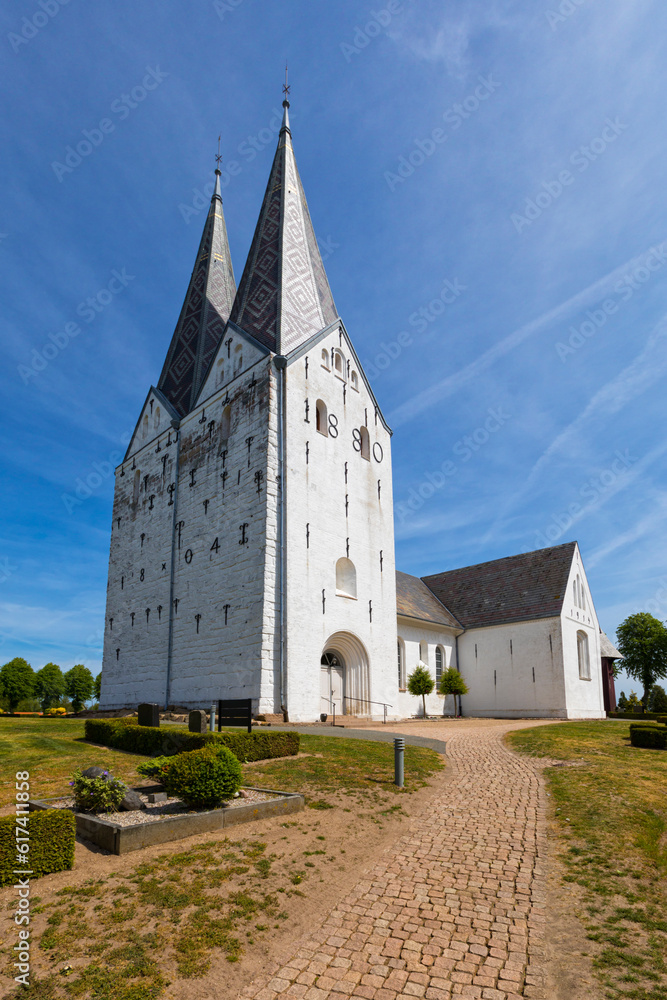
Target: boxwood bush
(52,833)
(122,734)
(204,778)
(653,737)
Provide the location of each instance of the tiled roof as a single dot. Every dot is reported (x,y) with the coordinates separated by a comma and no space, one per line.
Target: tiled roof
(606,648)
(415,600)
(517,588)
(284,296)
(204,314)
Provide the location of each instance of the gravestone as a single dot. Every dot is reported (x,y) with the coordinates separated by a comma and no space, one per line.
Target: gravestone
(197,721)
(148,714)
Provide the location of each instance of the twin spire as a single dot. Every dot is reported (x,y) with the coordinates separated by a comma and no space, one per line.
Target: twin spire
(283,298)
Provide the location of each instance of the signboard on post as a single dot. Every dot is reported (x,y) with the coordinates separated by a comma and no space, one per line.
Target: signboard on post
(235,712)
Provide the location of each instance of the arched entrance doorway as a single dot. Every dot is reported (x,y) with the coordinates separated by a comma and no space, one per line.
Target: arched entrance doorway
(332,683)
(345,675)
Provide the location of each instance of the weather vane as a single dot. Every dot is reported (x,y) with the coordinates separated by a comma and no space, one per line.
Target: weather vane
(286,87)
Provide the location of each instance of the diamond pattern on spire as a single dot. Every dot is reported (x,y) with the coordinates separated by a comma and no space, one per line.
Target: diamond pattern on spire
(284,296)
(204,314)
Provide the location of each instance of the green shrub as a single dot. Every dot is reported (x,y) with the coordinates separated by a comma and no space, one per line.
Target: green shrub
(155,768)
(124,734)
(204,778)
(97,795)
(52,834)
(649,737)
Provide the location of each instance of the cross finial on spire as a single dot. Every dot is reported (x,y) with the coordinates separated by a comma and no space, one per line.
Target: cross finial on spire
(218,158)
(286,90)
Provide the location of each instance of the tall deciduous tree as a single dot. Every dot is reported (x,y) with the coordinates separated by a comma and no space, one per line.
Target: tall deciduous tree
(97,686)
(79,685)
(451,682)
(17,681)
(421,683)
(642,640)
(49,685)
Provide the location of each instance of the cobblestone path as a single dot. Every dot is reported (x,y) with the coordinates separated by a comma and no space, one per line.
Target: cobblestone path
(456,907)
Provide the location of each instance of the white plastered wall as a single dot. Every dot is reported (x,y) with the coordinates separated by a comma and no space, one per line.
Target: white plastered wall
(584,698)
(419,638)
(318,532)
(514,671)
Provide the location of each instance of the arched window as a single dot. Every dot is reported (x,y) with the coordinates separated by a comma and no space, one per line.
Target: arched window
(583,656)
(339,362)
(354,379)
(325,359)
(423,651)
(346,578)
(401,664)
(220,376)
(321,417)
(226,423)
(144,429)
(136,486)
(238,358)
(156,418)
(365,449)
(439,661)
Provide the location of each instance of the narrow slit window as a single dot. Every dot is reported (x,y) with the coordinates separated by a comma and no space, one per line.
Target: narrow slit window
(321,417)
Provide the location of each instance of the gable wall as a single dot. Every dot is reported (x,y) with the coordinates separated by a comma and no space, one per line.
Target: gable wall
(584,698)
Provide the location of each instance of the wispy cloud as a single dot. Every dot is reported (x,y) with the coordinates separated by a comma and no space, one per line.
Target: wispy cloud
(647,525)
(453,383)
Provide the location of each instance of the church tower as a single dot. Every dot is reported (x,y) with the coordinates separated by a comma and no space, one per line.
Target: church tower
(252,549)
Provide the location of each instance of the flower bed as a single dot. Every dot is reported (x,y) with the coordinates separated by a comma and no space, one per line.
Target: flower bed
(170,820)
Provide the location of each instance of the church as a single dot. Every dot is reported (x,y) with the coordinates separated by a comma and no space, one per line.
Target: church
(252,542)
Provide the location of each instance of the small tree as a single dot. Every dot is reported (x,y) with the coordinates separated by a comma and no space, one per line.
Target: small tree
(421,683)
(633,704)
(17,681)
(658,701)
(642,640)
(49,685)
(79,685)
(622,703)
(97,687)
(451,682)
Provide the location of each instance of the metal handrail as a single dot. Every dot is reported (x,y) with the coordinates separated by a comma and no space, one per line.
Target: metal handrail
(367,701)
(361,701)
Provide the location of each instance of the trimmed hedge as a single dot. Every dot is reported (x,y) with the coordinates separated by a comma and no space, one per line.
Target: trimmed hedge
(647,736)
(654,717)
(168,740)
(52,834)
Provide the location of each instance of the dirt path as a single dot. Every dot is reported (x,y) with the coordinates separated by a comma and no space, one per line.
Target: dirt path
(456,907)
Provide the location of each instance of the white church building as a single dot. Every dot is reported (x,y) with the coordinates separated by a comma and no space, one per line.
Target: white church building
(252,544)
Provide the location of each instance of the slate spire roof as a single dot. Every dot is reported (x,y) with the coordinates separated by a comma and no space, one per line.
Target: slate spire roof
(284,296)
(205,312)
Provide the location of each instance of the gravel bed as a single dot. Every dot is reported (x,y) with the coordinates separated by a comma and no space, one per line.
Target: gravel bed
(155,811)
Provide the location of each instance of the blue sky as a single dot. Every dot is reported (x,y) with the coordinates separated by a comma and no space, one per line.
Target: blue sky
(487,180)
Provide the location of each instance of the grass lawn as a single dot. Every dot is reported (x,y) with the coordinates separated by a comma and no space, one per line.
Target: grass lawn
(331,764)
(126,929)
(51,750)
(612,814)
